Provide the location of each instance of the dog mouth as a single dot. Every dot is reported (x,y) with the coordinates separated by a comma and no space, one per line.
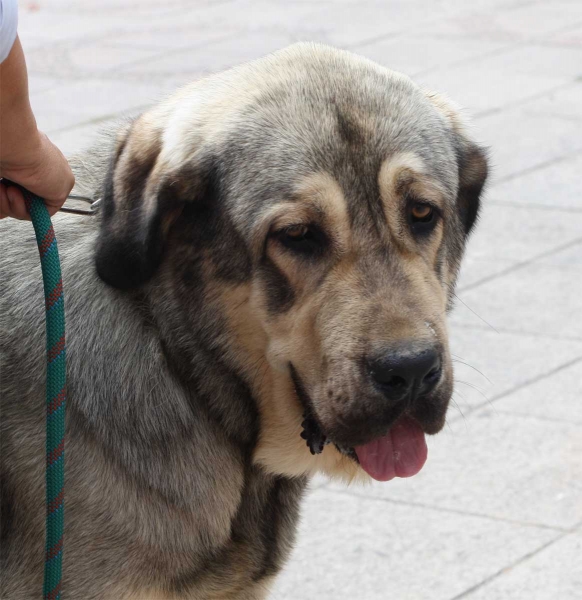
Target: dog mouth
(401,452)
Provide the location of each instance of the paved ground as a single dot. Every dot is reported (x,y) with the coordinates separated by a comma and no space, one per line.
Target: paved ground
(497,512)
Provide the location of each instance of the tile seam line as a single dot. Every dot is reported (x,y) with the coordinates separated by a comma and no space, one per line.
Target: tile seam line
(556,420)
(542,207)
(100,119)
(554,115)
(121,70)
(508,47)
(455,37)
(543,165)
(520,265)
(518,332)
(514,564)
(108,75)
(488,112)
(525,384)
(453,511)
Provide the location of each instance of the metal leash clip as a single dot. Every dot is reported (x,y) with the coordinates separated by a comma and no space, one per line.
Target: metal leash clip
(93,208)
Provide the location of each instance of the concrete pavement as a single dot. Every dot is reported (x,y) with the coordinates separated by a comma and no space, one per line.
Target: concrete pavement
(497,512)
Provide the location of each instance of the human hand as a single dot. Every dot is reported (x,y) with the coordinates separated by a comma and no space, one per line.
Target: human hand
(43,170)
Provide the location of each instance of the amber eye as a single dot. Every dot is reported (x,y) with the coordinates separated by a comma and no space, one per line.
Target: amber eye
(296,232)
(422,217)
(422,212)
(303,239)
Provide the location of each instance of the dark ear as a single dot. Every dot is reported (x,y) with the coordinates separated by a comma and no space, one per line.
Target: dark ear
(472,161)
(142,197)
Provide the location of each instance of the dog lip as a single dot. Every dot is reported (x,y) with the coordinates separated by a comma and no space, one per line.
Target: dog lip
(312,432)
(300,392)
(316,437)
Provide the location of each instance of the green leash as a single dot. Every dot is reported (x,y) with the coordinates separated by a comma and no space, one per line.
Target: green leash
(55,393)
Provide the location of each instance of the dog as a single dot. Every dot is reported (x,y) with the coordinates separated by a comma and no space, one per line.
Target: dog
(262,297)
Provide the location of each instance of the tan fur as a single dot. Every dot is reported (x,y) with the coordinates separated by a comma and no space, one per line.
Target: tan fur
(262,344)
(403,174)
(295,337)
(197,390)
(449,110)
(267,343)
(280,448)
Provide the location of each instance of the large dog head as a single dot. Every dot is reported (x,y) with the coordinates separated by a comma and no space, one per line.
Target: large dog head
(320,204)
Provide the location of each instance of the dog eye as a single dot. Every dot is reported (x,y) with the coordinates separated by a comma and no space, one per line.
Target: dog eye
(301,238)
(296,232)
(422,212)
(422,217)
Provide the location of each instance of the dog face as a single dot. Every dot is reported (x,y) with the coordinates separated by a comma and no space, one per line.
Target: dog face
(325,202)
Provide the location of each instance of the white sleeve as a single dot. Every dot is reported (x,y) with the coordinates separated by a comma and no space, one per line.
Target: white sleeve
(8,23)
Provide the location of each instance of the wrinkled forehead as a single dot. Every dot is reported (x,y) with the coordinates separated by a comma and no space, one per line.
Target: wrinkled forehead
(362,140)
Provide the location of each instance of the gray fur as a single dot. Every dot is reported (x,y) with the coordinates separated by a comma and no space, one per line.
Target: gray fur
(162,492)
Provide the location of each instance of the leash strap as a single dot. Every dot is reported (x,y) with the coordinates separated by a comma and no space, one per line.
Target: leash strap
(55,393)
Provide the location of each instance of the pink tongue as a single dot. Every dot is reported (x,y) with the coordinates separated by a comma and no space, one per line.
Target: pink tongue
(400,453)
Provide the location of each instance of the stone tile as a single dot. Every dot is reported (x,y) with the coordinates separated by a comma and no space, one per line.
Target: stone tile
(519,141)
(44,28)
(521,469)
(475,269)
(412,55)
(570,37)
(514,21)
(52,120)
(125,22)
(115,9)
(557,185)
(557,397)
(355,23)
(101,57)
(506,77)
(565,103)
(490,364)
(194,26)
(474,25)
(554,572)
(479,88)
(566,259)
(75,140)
(173,37)
(352,547)
(93,59)
(215,56)
(478,6)
(539,18)
(42,83)
(262,15)
(513,463)
(531,59)
(501,233)
(501,241)
(83,101)
(537,299)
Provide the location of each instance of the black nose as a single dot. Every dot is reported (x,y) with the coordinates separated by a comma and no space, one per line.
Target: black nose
(401,372)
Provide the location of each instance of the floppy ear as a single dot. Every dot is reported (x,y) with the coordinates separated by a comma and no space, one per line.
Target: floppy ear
(142,198)
(471,161)
(473,168)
